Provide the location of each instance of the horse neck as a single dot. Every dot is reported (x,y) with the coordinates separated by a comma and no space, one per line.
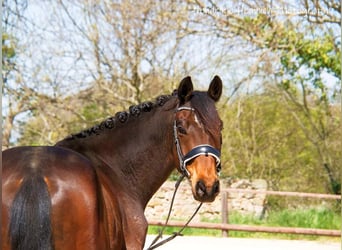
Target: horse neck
(140,152)
(149,153)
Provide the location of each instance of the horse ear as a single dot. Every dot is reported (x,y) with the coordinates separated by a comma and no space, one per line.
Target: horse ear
(215,88)
(185,89)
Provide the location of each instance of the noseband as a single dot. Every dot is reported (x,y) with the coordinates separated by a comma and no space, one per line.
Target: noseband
(202,149)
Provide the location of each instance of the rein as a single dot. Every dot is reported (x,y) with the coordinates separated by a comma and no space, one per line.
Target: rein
(155,242)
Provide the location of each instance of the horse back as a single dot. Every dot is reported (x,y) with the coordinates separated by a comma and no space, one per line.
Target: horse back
(62,187)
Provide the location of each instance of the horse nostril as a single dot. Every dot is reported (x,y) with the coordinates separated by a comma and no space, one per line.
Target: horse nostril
(216,187)
(200,189)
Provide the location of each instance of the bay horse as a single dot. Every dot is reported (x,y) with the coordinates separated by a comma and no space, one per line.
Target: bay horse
(89,191)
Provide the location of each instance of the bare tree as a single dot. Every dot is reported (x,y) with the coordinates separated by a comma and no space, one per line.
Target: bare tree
(116,54)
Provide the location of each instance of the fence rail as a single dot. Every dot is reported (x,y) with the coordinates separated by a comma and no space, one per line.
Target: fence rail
(249,228)
(283,193)
(225,226)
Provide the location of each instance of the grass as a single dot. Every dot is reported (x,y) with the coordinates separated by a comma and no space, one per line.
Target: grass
(311,218)
(321,218)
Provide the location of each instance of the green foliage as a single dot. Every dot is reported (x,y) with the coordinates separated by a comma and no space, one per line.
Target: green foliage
(8,51)
(297,48)
(8,46)
(311,56)
(187,231)
(321,218)
(319,54)
(304,52)
(288,135)
(262,139)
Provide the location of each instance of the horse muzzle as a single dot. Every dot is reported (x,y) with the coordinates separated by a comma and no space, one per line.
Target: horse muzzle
(203,176)
(205,193)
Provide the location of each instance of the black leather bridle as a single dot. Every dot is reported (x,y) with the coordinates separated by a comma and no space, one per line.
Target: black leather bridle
(202,149)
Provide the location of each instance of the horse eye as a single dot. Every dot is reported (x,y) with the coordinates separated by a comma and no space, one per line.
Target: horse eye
(181,130)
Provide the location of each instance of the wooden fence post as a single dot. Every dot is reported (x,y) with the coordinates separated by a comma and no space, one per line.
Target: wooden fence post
(224,212)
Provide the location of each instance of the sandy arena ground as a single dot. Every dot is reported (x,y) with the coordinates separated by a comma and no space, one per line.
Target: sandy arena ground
(214,243)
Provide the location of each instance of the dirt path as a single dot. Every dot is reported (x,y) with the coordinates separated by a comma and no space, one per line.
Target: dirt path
(214,243)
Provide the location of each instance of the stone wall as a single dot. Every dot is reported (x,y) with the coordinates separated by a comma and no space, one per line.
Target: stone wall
(185,205)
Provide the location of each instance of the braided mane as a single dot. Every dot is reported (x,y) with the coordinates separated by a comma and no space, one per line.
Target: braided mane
(122,117)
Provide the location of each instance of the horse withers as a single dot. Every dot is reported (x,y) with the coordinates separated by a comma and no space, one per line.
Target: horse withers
(89,191)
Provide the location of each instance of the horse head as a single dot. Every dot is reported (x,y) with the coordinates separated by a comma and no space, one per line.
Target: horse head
(197,132)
